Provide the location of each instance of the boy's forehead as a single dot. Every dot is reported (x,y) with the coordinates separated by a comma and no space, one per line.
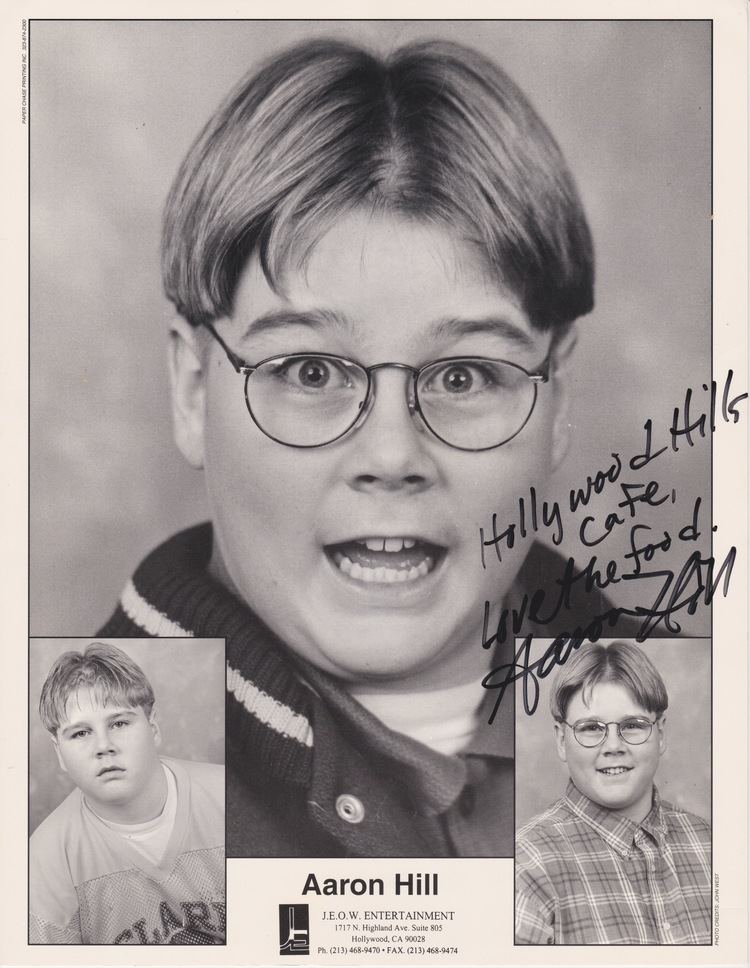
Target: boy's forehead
(353,275)
(88,700)
(603,696)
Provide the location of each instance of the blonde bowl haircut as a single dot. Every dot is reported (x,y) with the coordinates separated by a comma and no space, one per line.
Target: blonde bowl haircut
(111,675)
(435,132)
(621,663)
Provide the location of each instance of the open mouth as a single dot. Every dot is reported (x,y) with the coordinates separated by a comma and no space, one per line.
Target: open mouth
(615,770)
(386,560)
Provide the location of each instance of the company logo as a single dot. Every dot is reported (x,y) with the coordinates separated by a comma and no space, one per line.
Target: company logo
(294,929)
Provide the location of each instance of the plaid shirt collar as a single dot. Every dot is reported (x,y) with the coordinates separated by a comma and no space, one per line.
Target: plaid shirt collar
(620,833)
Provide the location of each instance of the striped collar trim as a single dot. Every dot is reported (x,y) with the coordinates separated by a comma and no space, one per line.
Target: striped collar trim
(150,619)
(269,711)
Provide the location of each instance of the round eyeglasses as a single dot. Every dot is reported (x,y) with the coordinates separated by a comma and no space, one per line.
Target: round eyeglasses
(313,399)
(592,732)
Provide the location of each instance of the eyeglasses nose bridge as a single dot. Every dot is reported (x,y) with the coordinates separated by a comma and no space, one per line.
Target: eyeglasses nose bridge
(411,399)
(618,737)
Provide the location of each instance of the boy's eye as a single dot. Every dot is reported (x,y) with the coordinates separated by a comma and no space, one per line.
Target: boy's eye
(79,733)
(458,379)
(120,722)
(309,373)
(313,373)
(468,378)
(591,728)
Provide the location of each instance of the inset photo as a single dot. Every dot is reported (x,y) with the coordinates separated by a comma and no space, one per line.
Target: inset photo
(613,794)
(126,791)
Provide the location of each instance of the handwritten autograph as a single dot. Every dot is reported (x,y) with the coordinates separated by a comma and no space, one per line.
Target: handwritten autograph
(697,582)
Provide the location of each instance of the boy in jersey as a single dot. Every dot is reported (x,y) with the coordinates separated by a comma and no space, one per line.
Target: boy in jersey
(135,854)
(611,862)
(376,265)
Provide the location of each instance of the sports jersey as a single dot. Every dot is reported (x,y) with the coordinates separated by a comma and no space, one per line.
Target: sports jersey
(89,885)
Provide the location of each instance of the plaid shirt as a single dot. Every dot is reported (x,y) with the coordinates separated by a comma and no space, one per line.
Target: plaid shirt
(587,876)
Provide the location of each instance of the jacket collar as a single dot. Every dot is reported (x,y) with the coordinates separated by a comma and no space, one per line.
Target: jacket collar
(270,711)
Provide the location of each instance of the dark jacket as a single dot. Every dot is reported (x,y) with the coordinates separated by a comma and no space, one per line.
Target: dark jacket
(291,762)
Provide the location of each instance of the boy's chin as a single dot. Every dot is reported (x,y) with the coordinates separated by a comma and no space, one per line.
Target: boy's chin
(399,663)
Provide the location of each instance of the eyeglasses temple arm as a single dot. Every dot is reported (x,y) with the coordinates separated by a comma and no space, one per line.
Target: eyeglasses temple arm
(542,376)
(236,362)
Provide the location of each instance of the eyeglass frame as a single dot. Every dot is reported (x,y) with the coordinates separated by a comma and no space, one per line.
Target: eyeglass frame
(599,722)
(542,375)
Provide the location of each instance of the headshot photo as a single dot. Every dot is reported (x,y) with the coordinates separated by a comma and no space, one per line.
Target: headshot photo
(613,843)
(356,375)
(126,792)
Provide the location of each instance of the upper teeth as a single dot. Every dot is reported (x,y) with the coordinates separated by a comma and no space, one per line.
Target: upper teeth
(614,769)
(388,544)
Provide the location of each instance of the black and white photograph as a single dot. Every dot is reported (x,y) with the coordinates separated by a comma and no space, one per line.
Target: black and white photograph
(419,300)
(613,798)
(126,792)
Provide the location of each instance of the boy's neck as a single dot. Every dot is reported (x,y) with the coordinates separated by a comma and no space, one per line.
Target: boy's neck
(146,806)
(637,812)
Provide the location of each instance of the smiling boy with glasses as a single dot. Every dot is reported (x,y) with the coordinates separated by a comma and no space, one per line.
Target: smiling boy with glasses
(611,862)
(377,264)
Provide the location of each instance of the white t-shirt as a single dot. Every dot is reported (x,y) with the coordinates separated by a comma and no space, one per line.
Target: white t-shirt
(443,719)
(151,837)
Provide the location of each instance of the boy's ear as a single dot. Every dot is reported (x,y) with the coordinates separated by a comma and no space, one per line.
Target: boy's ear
(661,725)
(62,765)
(154,723)
(187,379)
(560,741)
(560,376)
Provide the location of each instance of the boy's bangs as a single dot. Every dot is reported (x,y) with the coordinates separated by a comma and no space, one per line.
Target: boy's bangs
(109,693)
(104,690)
(436,132)
(291,243)
(106,672)
(621,664)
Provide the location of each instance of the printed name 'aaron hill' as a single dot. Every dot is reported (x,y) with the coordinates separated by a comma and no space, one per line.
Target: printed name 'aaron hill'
(403,884)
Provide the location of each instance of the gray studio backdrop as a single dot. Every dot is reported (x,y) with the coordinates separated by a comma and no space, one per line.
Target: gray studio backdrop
(684,774)
(114,107)
(187,676)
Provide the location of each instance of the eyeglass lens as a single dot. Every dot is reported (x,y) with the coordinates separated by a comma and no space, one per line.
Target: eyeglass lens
(469,403)
(592,733)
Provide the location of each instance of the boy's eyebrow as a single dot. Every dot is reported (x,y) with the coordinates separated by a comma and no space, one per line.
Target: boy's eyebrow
(117,714)
(274,320)
(442,329)
(490,325)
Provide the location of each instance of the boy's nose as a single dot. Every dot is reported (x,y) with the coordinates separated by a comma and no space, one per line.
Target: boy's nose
(613,742)
(104,743)
(388,451)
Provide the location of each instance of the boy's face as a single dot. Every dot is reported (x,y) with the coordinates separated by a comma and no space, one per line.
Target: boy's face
(382,289)
(109,752)
(616,775)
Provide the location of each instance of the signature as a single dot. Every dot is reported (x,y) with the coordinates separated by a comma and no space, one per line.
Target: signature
(671,594)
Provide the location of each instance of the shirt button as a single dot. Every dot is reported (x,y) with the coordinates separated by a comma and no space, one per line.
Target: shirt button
(350,808)
(467,801)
